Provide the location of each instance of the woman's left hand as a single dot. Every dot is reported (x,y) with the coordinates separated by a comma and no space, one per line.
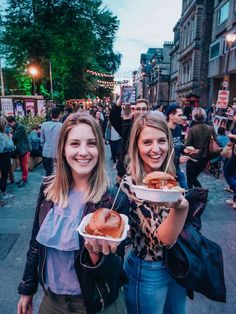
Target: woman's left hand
(181,204)
(95,247)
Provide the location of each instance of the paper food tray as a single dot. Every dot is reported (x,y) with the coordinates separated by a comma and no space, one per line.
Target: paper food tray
(111,241)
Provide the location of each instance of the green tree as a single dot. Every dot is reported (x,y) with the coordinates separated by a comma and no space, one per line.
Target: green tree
(74,35)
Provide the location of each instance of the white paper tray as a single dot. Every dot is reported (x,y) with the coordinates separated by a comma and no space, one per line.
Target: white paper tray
(100,239)
(154,195)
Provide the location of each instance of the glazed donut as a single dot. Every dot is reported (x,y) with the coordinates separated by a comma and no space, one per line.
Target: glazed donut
(105,222)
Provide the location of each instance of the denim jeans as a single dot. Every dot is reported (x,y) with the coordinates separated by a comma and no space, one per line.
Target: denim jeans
(151,290)
(181,178)
(230,173)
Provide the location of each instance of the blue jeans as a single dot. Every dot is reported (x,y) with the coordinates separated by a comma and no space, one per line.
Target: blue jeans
(230,173)
(181,178)
(151,290)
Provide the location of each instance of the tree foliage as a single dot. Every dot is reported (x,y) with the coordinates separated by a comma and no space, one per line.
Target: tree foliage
(74,35)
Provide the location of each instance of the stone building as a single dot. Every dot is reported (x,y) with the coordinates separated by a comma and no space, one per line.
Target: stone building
(153,78)
(174,68)
(190,51)
(222,56)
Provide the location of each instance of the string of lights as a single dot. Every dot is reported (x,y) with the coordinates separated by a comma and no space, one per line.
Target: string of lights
(99,73)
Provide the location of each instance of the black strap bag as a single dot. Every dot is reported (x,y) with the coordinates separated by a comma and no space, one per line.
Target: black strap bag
(196,262)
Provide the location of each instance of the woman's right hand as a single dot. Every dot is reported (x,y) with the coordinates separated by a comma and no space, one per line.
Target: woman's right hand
(25,304)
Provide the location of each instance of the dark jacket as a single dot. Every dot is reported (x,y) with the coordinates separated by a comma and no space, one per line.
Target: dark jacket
(20,139)
(99,284)
(123,127)
(199,137)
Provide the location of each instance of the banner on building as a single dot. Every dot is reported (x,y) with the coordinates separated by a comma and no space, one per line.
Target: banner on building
(223,99)
(7,106)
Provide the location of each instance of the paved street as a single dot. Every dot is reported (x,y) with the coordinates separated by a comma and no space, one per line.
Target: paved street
(219,224)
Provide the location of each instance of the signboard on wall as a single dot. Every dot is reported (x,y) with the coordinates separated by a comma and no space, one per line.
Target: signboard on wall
(7,106)
(29,106)
(19,107)
(223,99)
(41,108)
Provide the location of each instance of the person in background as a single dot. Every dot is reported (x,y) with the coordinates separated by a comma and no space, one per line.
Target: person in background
(123,125)
(68,111)
(222,138)
(6,147)
(35,141)
(97,116)
(230,165)
(114,139)
(77,276)
(106,113)
(49,138)
(159,111)
(153,226)
(198,137)
(184,127)
(22,147)
(174,115)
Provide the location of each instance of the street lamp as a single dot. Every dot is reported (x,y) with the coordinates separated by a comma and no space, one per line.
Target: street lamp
(33,72)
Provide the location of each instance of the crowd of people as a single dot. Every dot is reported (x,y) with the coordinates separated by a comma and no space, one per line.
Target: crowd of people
(78,276)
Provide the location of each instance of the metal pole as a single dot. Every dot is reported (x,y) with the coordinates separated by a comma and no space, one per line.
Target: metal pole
(158,83)
(2,82)
(34,84)
(50,75)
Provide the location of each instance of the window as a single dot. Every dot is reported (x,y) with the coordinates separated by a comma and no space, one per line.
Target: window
(223,13)
(192,29)
(215,50)
(226,46)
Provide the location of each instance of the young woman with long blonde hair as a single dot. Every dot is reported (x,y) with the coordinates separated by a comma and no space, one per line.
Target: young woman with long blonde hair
(76,277)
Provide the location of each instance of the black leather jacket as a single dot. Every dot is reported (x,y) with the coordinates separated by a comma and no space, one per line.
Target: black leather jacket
(99,284)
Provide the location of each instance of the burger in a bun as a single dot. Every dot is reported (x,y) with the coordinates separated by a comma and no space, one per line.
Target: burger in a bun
(105,222)
(160,180)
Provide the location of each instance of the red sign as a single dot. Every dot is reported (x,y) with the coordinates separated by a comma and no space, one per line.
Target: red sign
(223,99)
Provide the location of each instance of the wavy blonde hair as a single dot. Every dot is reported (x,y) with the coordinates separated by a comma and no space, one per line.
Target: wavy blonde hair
(59,184)
(136,166)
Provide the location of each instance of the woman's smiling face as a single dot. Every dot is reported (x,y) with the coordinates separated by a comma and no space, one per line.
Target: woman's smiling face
(152,148)
(81,150)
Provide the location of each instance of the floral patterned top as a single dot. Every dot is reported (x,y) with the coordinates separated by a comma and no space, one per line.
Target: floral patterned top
(145,217)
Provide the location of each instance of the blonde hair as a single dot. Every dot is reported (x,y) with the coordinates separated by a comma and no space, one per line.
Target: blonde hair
(199,114)
(60,183)
(136,166)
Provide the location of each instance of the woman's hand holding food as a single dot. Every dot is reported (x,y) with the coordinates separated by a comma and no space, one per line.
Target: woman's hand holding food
(95,246)
(181,204)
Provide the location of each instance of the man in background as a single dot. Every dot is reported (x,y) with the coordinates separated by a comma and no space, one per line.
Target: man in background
(49,139)
(174,116)
(122,118)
